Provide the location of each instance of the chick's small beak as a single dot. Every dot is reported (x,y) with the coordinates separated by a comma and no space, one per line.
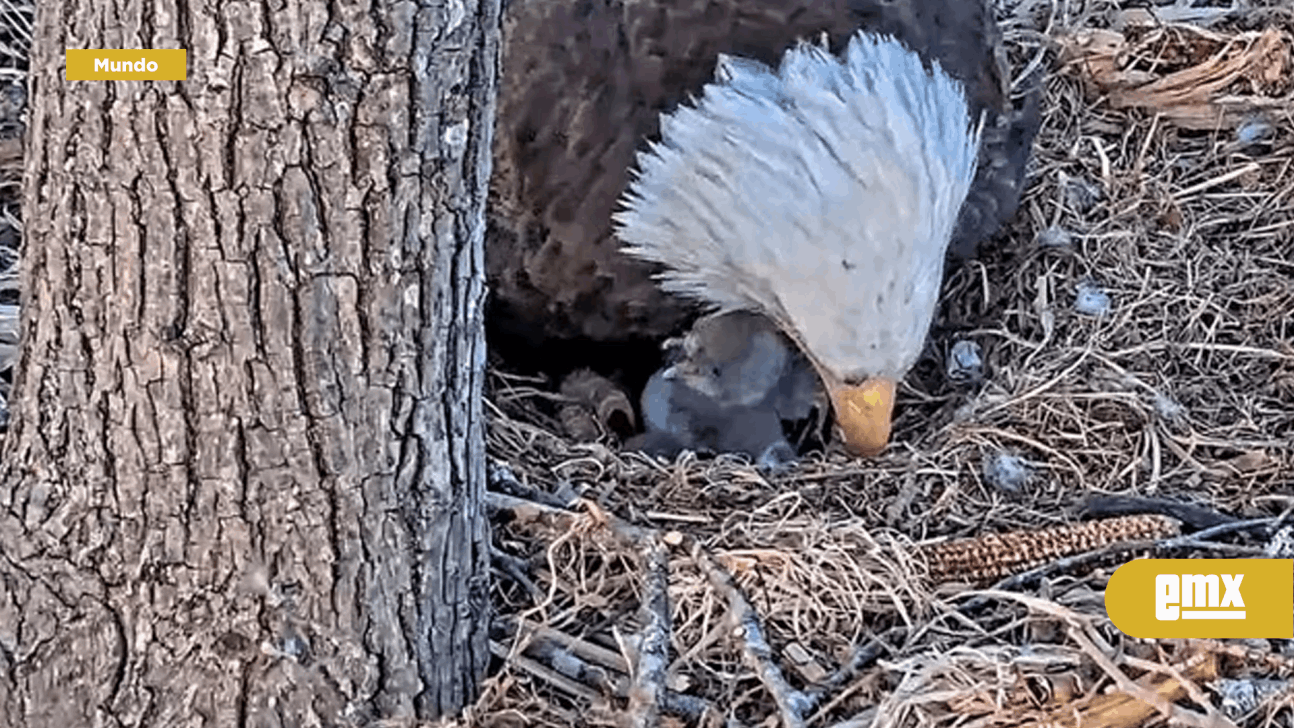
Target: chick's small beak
(863,413)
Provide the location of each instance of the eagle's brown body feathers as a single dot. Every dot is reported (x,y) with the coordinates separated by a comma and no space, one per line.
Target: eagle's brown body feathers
(583,86)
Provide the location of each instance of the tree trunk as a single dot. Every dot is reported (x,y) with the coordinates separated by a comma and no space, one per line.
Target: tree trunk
(243,481)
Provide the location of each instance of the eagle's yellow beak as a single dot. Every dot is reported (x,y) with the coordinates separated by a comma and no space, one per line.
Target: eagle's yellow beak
(863,412)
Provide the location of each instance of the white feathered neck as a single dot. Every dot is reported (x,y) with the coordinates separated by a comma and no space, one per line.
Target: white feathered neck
(822,194)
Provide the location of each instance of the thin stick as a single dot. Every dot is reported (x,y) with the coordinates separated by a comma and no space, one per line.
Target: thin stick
(1220,179)
(646,697)
(791,703)
(545,673)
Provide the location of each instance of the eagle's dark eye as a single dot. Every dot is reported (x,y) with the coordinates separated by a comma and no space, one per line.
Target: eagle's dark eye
(846,265)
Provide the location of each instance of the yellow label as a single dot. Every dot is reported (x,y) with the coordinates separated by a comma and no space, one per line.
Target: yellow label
(1209,598)
(97,64)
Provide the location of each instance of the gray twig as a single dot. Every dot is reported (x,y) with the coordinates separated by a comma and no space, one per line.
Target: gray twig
(791,703)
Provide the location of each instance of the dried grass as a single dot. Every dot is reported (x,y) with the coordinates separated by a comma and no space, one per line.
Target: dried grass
(1183,388)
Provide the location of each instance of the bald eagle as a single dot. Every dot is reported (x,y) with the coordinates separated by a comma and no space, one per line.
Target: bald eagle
(818,180)
(822,195)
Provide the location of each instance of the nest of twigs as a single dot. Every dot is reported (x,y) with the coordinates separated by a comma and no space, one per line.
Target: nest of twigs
(1136,329)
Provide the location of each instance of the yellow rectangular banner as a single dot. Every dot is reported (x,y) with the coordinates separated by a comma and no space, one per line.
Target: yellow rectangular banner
(1208,598)
(98,64)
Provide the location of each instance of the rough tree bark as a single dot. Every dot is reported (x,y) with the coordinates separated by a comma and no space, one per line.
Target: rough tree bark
(243,482)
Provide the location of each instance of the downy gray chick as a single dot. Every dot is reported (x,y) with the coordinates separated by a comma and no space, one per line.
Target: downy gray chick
(732,380)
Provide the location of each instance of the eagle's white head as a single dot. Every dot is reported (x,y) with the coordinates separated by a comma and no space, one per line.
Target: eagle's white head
(822,194)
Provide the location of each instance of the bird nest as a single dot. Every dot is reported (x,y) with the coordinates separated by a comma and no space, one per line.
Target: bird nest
(1134,326)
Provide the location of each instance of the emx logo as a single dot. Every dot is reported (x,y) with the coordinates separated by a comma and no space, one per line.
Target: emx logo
(1212,598)
(1198,590)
